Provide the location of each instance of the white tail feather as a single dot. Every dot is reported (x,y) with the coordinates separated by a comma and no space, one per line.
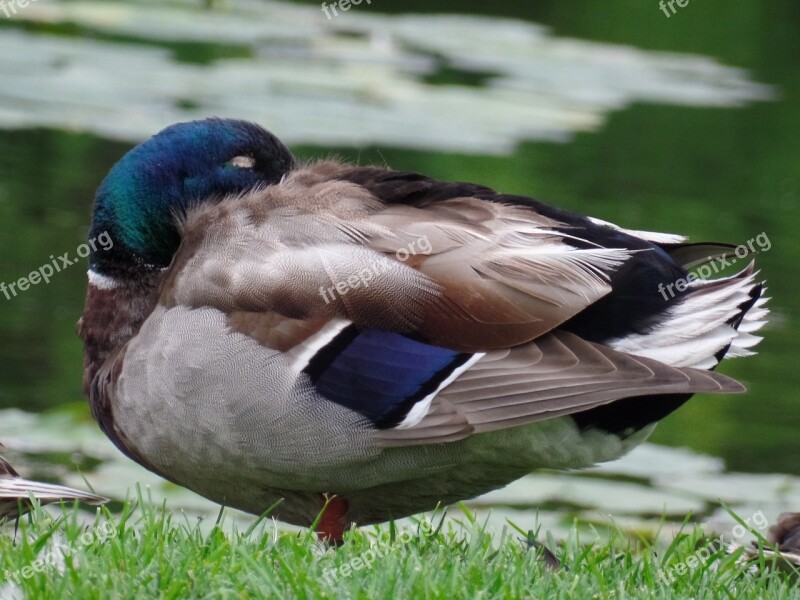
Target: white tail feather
(695,328)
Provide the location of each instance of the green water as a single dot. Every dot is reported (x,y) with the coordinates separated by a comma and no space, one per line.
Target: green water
(713,174)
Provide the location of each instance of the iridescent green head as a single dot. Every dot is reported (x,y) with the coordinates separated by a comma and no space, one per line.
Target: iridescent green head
(140,201)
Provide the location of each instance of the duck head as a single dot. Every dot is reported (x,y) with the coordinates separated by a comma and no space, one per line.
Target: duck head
(139,203)
(137,211)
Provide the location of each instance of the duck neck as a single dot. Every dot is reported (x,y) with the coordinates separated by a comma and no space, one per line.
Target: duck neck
(114,311)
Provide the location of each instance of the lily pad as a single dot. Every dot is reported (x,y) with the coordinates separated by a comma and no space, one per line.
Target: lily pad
(609,496)
(649,461)
(737,488)
(357,80)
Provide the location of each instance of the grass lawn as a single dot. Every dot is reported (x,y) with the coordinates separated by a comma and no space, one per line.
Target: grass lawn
(149,552)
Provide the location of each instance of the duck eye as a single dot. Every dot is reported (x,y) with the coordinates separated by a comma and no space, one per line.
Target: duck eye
(242,162)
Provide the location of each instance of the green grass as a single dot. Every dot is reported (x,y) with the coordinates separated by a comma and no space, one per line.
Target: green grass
(149,552)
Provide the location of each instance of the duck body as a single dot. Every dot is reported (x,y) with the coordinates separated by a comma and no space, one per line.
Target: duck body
(264,330)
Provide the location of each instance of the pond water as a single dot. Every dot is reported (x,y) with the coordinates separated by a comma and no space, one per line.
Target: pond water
(634,118)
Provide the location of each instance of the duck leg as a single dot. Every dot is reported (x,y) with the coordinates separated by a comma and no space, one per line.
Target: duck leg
(333,522)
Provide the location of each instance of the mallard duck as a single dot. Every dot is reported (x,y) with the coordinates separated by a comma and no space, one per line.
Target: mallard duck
(16,492)
(377,342)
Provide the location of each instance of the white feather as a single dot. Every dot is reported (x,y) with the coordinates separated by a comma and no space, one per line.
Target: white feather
(696,328)
(17,487)
(102,282)
(301,355)
(420,409)
(651,236)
